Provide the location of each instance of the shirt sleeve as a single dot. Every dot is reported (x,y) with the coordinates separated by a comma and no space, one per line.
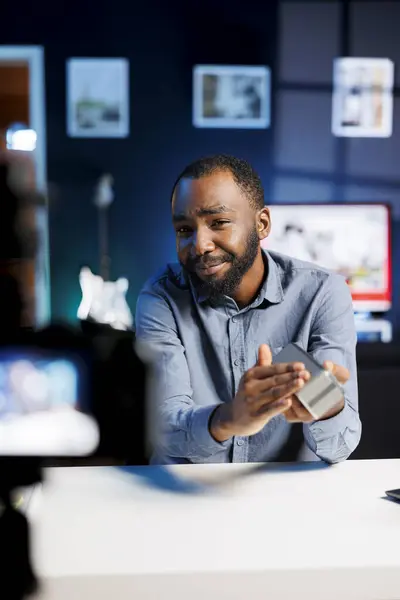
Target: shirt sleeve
(181,428)
(333,337)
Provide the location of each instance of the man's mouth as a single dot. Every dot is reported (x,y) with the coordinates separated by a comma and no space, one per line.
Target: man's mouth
(209,269)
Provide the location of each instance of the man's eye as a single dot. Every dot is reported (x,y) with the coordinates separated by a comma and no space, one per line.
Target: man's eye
(183,231)
(221,222)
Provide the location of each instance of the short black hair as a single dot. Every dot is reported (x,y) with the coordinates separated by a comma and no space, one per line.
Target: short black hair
(243,174)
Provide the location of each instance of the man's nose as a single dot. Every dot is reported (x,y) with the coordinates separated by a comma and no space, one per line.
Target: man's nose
(202,242)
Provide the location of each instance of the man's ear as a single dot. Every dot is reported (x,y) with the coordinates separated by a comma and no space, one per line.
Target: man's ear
(263,223)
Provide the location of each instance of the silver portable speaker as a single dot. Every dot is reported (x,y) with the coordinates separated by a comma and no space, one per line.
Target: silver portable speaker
(322,392)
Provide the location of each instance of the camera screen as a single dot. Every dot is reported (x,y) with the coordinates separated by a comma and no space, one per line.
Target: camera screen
(40,400)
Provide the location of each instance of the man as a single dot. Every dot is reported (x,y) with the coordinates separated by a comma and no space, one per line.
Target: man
(213,324)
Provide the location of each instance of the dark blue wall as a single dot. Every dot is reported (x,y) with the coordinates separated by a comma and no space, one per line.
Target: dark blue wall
(298,158)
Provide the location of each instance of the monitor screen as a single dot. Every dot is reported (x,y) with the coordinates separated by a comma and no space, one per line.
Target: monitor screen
(350,239)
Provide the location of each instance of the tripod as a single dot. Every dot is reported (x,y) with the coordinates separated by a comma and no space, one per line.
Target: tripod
(18,578)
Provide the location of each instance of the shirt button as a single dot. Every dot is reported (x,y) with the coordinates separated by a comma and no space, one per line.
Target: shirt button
(236,362)
(240,442)
(234,319)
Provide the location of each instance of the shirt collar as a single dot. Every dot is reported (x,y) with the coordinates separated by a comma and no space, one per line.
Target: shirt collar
(271,289)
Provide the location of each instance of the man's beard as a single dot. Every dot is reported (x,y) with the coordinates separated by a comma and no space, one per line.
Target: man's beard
(215,288)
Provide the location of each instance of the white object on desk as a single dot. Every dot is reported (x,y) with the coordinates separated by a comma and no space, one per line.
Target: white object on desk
(304,531)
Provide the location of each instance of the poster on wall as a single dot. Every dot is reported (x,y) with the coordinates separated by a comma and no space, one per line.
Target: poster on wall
(227,96)
(98,97)
(362,104)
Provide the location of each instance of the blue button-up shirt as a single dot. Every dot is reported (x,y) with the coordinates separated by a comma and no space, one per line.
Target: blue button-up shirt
(200,350)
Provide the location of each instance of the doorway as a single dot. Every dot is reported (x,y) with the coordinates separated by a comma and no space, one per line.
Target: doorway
(22,100)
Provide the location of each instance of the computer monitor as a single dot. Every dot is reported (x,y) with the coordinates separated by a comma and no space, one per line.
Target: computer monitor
(350,239)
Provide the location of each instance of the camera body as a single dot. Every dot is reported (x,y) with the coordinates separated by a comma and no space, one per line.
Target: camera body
(65,392)
(75,393)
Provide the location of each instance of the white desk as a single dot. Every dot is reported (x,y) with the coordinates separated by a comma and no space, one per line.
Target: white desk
(306,531)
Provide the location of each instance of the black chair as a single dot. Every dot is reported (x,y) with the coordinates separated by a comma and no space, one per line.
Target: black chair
(379,398)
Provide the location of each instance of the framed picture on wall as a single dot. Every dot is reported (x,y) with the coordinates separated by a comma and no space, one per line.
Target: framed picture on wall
(98,97)
(362,104)
(227,96)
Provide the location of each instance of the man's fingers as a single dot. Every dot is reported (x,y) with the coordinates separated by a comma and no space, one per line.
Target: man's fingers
(291,416)
(297,413)
(341,373)
(264,356)
(301,412)
(275,408)
(256,387)
(263,372)
(279,392)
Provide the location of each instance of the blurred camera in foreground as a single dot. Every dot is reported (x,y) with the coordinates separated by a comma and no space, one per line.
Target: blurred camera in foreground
(64,391)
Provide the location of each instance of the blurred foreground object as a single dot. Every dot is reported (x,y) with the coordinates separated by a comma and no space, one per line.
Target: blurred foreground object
(18,238)
(65,392)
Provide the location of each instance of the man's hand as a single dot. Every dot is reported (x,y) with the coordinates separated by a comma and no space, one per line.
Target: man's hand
(298,414)
(265,391)
(341,373)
